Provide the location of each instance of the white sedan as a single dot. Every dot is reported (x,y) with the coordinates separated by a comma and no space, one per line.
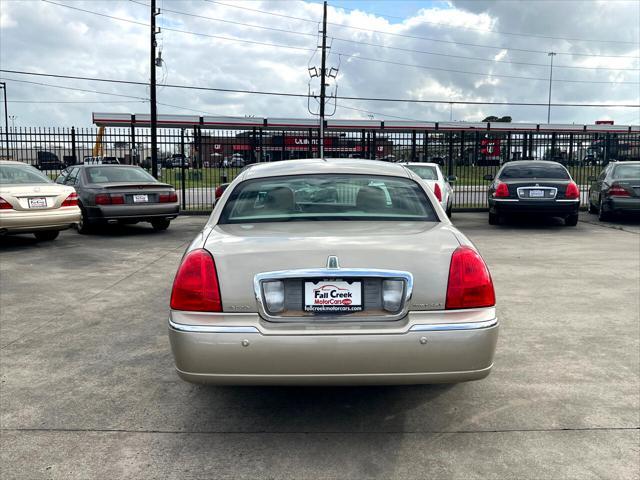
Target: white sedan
(441,187)
(30,202)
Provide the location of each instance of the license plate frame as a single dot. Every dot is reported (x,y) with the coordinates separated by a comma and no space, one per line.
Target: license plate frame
(37,202)
(334,297)
(141,198)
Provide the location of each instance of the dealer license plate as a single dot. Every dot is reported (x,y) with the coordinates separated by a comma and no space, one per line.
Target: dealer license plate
(140,198)
(332,297)
(39,202)
(536,193)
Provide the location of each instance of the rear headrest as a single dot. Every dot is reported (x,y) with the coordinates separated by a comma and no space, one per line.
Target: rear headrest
(371,199)
(280,199)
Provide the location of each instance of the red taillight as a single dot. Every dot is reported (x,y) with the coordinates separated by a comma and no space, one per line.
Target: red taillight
(502,190)
(470,284)
(572,191)
(618,191)
(117,199)
(219,191)
(168,197)
(103,199)
(4,205)
(437,191)
(196,287)
(71,200)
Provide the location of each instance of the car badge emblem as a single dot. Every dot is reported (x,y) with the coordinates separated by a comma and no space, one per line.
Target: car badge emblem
(332,262)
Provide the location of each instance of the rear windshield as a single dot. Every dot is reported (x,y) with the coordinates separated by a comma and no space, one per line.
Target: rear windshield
(118,174)
(425,172)
(327,197)
(535,171)
(21,175)
(624,172)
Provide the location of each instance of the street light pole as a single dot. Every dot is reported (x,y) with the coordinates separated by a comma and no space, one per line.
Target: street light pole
(152,88)
(6,119)
(550,54)
(322,79)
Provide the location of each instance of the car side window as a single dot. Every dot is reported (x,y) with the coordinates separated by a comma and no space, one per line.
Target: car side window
(71,178)
(603,175)
(62,177)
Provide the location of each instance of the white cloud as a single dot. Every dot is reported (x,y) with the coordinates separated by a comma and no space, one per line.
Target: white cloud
(36,36)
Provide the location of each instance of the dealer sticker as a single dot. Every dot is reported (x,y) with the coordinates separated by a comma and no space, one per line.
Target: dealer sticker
(332,296)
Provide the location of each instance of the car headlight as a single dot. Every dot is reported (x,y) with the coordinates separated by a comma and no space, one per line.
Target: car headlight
(274,296)
(392,293)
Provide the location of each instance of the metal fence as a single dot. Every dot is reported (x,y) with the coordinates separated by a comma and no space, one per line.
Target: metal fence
(196,160)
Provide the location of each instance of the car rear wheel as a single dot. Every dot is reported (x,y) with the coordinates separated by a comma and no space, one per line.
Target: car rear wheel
(603,215)
(494,219)
(571,220)
(160,224)
(47,235)
(592,209)
(83,226)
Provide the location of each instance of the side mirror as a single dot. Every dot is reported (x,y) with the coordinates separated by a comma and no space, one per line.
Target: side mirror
(451,178)
(488,177)
(591,178)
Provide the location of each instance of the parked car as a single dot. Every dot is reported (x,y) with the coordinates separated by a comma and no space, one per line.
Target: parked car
(441,185)
(331,271)
(533,186)
(234,161)
(48,161)
(100,161)
(120,194)
(31,203)
(615,190)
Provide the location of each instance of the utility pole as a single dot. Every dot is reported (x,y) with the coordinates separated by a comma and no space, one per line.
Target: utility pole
(550,54)
(154,111)
(323,71)
(6,120)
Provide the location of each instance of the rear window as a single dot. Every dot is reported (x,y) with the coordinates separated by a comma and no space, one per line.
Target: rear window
(425,172)
(624,172)
(21,175)
(535,171)
(118,174)
(327,197)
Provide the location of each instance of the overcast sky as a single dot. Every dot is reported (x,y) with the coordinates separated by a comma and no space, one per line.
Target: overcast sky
(602,37)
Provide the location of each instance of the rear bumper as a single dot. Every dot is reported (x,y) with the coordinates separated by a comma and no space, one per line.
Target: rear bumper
(17,221)
(425,353)
(621,204)
(133,212)
(558,208)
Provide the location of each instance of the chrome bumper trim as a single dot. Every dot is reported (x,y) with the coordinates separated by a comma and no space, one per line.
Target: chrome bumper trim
(436,327)
(211,328)
(433,327)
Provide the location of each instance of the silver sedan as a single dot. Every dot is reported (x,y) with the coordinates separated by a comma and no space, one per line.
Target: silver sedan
(331,272)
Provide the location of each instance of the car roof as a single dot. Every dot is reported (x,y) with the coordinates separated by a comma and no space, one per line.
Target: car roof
(420,164)
(13,162)
(88,165)
(327,165)
(532,163)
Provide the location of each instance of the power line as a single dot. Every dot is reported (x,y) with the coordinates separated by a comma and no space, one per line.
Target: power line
(351,55)
(340,97)
(534,35)
(415,37)
(377,45)
(74,101)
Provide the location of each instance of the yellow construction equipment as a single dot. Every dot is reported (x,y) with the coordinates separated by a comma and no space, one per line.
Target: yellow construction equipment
(97,148)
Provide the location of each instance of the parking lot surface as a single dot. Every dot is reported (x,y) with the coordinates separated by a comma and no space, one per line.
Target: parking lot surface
(88,388)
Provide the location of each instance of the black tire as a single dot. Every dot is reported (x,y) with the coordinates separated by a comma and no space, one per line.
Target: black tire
(591,208)
(84,225)
(571,220)
(603,215)
(160,224)
(47,235)
(450,211)
(494,219)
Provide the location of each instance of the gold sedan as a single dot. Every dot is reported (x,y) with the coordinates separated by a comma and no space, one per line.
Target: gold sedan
(30,202)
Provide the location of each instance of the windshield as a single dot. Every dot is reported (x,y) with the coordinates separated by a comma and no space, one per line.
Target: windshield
(535,171)
(327,197)
(21,175)
(624,172)
(118,174)
(425,172)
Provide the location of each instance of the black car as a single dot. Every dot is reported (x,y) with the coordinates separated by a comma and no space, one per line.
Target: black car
(533,187)
(615,190)
(125,194)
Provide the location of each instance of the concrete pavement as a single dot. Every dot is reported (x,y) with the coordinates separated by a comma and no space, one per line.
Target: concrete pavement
(87,388)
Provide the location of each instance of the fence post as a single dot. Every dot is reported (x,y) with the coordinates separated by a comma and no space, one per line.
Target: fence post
(284,151)
(607,144)
(261,146)
(553,144)
(310,149)
(182,180)
(508,152)
(373,145)
(413,146)
(425,140)
(570,159)
(476,138)
(450,159)
(362,144)
(73,145)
